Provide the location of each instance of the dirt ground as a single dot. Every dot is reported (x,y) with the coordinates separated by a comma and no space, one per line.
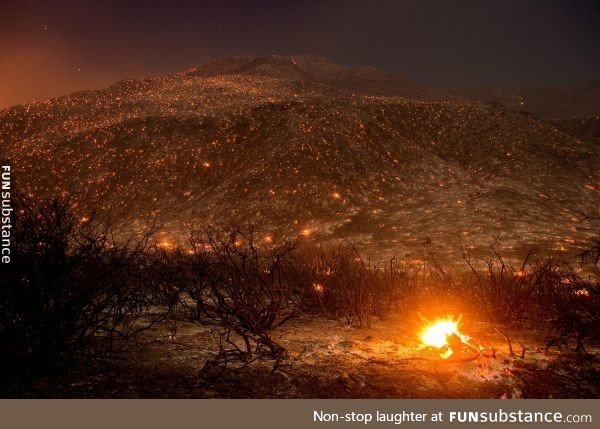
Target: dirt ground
(330,360)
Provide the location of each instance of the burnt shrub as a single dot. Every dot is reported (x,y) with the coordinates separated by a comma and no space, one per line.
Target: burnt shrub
(575,311)
(168,278)
(247,293)
(543,293)
(591,258)
(503,291)
(67,284)
(338,283)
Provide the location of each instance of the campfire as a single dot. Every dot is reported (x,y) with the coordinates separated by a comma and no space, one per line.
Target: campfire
(444,336)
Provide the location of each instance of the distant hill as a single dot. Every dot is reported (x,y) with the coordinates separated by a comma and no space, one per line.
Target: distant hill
(574,110)
(585,128)
(300,146)
(312,69)
(554,102)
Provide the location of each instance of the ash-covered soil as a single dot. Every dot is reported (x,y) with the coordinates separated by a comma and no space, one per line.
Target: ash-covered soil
(330,360)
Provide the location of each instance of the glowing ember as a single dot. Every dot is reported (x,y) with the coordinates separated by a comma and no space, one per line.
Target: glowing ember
(444,334)
(306,232)
(166,245)
(318,288)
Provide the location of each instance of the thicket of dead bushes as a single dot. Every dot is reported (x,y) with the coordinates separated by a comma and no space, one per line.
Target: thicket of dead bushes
(72,290)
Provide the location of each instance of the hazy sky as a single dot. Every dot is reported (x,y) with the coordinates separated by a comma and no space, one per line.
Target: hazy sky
(48,48)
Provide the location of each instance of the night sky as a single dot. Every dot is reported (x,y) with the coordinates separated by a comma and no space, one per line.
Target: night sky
(48,48)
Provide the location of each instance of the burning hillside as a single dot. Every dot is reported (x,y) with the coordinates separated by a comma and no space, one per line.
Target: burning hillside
(301,146)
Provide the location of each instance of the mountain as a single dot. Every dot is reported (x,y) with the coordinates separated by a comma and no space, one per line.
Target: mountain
(302,146)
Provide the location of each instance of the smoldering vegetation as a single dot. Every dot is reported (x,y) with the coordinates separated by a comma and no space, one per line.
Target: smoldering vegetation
(73,293)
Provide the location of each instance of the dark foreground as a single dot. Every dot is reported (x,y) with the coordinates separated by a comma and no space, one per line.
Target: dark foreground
(328,360)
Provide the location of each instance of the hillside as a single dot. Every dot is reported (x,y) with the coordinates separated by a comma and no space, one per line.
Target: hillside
(302,146)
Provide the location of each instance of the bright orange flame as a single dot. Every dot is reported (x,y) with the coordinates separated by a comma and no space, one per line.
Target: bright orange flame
(436,335)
